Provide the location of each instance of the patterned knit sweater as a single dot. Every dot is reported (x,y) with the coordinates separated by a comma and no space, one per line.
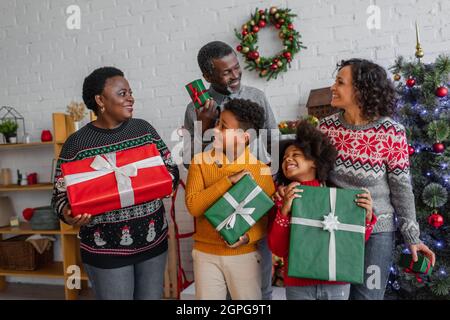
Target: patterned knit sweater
(375,156)
(128,235)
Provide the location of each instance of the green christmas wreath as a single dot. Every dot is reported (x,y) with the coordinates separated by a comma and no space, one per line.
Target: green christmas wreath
(281,19)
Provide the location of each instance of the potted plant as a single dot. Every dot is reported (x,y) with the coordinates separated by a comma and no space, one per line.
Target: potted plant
(9,129)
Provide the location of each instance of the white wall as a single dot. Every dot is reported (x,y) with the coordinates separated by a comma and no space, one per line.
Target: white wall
(155,42)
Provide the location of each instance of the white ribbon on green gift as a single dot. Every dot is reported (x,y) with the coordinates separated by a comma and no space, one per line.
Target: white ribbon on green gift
(330,223)
(106,165)
(239,209)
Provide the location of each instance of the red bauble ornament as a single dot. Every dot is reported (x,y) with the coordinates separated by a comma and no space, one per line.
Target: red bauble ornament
(46,136)
(244,33)
(435,220)
(274,66)
(441,92)
(28,213)
(411,82)
(261,23)
(278,26)
(276,60)
(255,29)
(287,55)
(411,150)
(438,147)
(253,55)
(239,48)
(261,11)
(290,26)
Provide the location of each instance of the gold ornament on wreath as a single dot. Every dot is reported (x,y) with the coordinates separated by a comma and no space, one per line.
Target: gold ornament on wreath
(281,19)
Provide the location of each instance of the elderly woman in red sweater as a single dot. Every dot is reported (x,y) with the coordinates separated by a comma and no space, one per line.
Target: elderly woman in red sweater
(307,160)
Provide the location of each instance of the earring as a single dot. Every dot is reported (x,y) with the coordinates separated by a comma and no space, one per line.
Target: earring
(102,110)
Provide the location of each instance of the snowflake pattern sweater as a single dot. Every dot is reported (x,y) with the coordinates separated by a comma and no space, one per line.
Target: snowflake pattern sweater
(375,156)
(129,235)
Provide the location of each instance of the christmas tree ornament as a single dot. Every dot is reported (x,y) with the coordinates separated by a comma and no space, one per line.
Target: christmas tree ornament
(261,23)
(441,92)
(411,82)
(411,150)
(438,147)
(435,220)
(434,195)
(397,77)
(273,10)
(419,52)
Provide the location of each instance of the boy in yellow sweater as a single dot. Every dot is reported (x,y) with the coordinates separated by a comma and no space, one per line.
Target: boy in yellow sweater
(219,267)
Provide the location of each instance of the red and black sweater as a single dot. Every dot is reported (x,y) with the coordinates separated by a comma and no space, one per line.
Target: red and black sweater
(279,232)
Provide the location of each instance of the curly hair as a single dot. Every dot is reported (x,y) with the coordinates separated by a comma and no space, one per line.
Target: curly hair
(209,52)
(315,145)
(374,91)
(95,83)
(249,114)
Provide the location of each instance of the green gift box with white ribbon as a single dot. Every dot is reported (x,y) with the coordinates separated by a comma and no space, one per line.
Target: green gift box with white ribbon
(239,209)
(327,236)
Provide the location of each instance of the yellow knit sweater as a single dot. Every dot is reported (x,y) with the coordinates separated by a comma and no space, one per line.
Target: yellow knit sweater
(206,183)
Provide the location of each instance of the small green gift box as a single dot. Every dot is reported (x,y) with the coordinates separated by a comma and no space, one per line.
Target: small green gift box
(327,236)
(423,264)
(197,92)
(239,209)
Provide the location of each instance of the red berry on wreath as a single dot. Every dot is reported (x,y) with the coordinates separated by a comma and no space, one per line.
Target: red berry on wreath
(438,147)
(274,67)
(275,60)
(287,55)
(435,220)
(278,26)
(290,26)
(291,38)
(411,82)
(239,48)
(255,29)
(261,23)
(244,33)
(261,11)
(441,92)
(411,150)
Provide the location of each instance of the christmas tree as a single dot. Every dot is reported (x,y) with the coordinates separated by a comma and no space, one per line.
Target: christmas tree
(424,109)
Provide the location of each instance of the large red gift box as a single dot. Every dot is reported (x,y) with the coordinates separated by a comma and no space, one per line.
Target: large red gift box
(116,180)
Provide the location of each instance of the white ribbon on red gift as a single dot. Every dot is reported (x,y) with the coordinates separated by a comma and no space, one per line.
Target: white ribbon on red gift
(106,164)
(239,209)
(330,223)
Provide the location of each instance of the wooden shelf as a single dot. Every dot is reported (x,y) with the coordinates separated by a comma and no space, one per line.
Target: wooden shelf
(34,187)
(8,146)
(25,228)
(54,270)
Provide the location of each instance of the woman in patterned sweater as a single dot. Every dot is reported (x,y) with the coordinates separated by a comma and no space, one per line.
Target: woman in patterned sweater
(373,153)
(124,251)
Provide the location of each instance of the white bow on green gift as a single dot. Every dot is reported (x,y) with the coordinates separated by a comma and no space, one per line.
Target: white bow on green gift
(239,209)
(331,224)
